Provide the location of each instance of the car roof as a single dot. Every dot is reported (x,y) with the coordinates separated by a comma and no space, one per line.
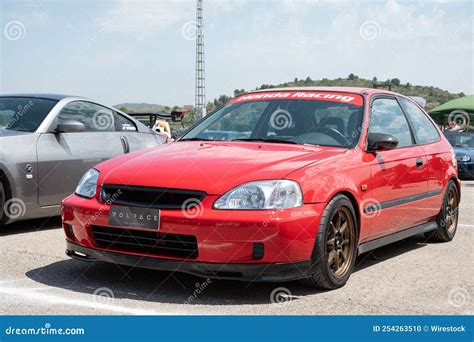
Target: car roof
(57,97)
(355,90)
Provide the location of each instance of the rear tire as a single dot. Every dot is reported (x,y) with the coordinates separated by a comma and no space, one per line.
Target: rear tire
(335,249)
(448,216)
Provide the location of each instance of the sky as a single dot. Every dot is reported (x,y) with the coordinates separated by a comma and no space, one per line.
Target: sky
(144,51)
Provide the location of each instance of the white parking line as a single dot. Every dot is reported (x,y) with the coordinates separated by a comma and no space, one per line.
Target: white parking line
(33,295)
(467,225)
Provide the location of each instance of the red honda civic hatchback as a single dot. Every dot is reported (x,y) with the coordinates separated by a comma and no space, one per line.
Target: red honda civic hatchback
(277,185)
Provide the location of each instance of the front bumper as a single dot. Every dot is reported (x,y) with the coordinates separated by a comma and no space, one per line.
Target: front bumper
(466,170)
(226,240)
(275,272)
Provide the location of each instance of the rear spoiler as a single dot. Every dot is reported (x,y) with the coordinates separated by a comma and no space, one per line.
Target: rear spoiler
(421,101)
(175,116)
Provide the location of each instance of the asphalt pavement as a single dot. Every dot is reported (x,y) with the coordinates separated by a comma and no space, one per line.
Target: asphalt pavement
(409,277)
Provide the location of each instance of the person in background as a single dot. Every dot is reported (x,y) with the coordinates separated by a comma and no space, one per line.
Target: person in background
(162,127)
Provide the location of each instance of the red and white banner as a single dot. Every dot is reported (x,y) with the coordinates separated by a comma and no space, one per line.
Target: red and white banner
(348,98)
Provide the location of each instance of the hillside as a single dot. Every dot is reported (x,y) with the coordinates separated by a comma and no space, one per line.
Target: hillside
(140,107)
(433,95)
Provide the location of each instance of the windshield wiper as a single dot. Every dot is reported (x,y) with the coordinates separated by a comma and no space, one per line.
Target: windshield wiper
(270,141)
(196,139)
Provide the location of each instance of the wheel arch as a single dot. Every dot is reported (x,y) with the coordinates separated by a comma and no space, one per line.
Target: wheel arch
(352,198)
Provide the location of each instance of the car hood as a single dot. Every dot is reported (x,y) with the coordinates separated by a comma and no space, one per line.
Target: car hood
(213,167)
(462,151)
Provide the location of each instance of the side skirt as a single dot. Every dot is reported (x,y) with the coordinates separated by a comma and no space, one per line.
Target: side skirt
(403,234)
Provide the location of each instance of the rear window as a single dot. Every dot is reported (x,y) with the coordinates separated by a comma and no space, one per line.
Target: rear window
(23,114)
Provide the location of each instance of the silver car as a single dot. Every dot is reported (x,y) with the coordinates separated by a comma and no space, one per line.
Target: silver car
(48,141)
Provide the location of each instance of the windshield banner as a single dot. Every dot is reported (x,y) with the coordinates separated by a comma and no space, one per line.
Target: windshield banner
(348,98)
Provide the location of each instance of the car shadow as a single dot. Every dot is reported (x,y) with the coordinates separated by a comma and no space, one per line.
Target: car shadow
(31,226)
(178,288)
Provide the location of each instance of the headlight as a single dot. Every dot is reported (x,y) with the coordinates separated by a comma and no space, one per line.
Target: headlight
(276,194)
(464,158)
(88,184)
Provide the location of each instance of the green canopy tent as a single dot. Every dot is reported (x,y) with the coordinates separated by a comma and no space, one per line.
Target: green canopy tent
(459,112)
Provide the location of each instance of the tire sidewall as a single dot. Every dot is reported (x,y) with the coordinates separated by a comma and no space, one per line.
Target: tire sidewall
(320,254)
(442,216)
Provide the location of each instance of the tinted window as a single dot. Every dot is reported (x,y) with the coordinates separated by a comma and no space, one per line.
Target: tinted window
(23,114)
(95,118)
(315,122)
(425,132)
(387,117)
(124,124)
(465,140)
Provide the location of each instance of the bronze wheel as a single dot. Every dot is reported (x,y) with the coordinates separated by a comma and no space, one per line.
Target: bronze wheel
(335,248)
(448,216)
(340,242)
(451,219)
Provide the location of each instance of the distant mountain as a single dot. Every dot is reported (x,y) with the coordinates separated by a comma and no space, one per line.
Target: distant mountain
(140,107)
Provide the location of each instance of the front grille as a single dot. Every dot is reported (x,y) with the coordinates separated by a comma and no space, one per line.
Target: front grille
(159,198)
(146,242)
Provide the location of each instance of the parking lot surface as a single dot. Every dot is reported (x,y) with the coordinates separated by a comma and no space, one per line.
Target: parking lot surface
(409,277)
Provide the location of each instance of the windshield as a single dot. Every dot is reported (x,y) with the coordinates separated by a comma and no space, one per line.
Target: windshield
(23,113)
(465,140)
(315,118)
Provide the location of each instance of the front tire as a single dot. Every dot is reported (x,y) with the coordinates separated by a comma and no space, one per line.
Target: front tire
(2,203)
(335,247)
(448,216)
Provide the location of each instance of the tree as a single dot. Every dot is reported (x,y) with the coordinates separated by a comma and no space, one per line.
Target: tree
(123,109)
(395,82)
(296,79)
(352,77)
(308,80)
(374,79)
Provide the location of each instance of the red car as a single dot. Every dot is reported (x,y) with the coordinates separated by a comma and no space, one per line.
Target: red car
(277,185)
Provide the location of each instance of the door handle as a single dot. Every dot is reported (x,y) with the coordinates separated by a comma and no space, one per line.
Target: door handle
(419,162)
(125,145)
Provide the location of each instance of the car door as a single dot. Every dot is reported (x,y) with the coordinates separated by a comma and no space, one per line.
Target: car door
(131,137)
(398,177)
(437,157)
(64,157)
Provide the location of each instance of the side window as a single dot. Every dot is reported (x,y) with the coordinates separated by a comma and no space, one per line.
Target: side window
(94,117)
(387,117)
(425,132)
(122,124)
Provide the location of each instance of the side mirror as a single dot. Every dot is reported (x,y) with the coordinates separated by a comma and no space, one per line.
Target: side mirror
(381,142)
(70,126)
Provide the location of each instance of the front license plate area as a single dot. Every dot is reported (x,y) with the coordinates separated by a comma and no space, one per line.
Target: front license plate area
(133,217)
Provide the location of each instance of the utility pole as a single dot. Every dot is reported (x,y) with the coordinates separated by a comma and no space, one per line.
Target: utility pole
(200,102)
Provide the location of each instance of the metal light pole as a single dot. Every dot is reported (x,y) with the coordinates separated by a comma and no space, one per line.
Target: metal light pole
(200,102)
